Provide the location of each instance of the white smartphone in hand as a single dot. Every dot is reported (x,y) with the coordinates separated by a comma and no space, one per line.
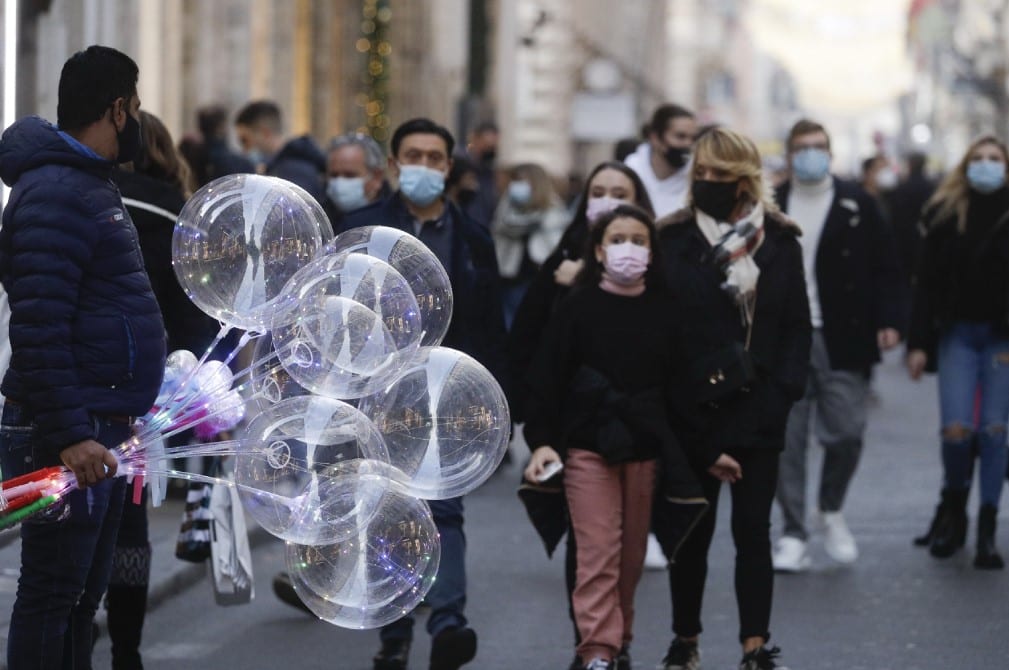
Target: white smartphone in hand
(549,470)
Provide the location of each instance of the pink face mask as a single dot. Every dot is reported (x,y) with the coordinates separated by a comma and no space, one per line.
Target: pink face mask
(626,262)
(596,207)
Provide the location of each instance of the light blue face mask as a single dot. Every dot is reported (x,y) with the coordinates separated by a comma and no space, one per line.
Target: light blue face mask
(986,176)
(256,156)
(520,192)
(810,165)
(420,184)
(347,193)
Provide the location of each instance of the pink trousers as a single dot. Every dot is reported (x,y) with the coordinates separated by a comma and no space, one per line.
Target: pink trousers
(610,507)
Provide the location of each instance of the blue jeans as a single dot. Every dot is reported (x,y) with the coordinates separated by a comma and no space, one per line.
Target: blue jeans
(447,596)
(973,358)
(66,555)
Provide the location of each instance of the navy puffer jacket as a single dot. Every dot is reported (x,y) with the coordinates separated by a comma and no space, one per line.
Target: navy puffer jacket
(86,333)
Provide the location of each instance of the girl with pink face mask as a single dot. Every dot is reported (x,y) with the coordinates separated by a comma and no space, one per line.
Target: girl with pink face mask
(600,387)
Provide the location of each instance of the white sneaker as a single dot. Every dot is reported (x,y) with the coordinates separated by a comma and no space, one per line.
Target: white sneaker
(599,664)
(790,555)
(654,558)
(838,540)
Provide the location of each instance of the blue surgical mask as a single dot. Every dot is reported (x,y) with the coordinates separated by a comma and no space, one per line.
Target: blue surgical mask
(986,176)
(420,184)
(256,156)
(520,192)
(811,165)
(347,193)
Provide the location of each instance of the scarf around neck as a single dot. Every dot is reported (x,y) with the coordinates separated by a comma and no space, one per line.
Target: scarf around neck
(733,246)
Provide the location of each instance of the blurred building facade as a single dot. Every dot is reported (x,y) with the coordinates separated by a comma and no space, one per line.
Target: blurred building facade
(564,79)
(960,53)
(323,61)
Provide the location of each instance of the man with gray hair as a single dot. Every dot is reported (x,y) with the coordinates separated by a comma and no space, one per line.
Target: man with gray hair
(355,175)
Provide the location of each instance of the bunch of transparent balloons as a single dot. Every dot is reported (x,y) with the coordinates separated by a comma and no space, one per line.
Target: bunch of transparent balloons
(356,415)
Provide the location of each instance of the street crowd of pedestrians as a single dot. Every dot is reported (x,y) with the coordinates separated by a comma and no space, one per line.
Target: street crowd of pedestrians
(681,320)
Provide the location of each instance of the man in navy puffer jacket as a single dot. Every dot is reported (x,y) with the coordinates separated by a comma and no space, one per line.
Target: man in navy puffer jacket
(87,340)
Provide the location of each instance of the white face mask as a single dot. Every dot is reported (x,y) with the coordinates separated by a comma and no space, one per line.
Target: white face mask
(347,193)
(886,179)
(626,262)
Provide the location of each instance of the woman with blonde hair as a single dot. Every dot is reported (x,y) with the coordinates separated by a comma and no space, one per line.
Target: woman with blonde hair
(960,328)
(528,223)
(734,267)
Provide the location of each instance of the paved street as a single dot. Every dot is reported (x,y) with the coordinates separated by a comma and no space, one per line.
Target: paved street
(897,608)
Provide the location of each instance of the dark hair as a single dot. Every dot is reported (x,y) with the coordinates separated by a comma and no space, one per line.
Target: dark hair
(461,166)
(422,126)
(485,127)
(624,148)
(869,162)
(805,127)
(592,272)
(641,198)
(212,121)
(665,114)
(260,112)
(90,82)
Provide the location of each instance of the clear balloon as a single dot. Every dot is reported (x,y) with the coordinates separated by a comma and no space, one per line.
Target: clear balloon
(270,382)
(178,366)
(284,452)
(237,242)
(418,265)
(212,379)
(355,318)
(377,575)
(445,423)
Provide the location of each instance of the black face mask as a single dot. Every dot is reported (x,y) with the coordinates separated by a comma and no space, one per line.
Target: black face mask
(717,199)
(677,157)
(488,157)
(466,195)
(130,140)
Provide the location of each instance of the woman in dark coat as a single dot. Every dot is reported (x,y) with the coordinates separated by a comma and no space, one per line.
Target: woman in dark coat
(734,266)
(610,184)
(960,328)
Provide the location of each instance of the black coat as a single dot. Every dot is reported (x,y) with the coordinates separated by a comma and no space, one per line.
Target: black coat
(710,321)
(477,326)
(937,280)
(533,314)
(858,277)
(301,161)
(154,206)
(907,204)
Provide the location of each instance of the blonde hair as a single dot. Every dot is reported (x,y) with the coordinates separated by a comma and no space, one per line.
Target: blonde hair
(951,197)
(738,156)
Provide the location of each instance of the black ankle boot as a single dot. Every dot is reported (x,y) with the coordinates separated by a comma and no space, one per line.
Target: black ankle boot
(951,527)
(126,607)
(926,539)
(987,557)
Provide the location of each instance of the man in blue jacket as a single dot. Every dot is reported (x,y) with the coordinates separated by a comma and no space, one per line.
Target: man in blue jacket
(420,161)
(87,340)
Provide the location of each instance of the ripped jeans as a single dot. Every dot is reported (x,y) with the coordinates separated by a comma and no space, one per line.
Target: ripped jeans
(974,366)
